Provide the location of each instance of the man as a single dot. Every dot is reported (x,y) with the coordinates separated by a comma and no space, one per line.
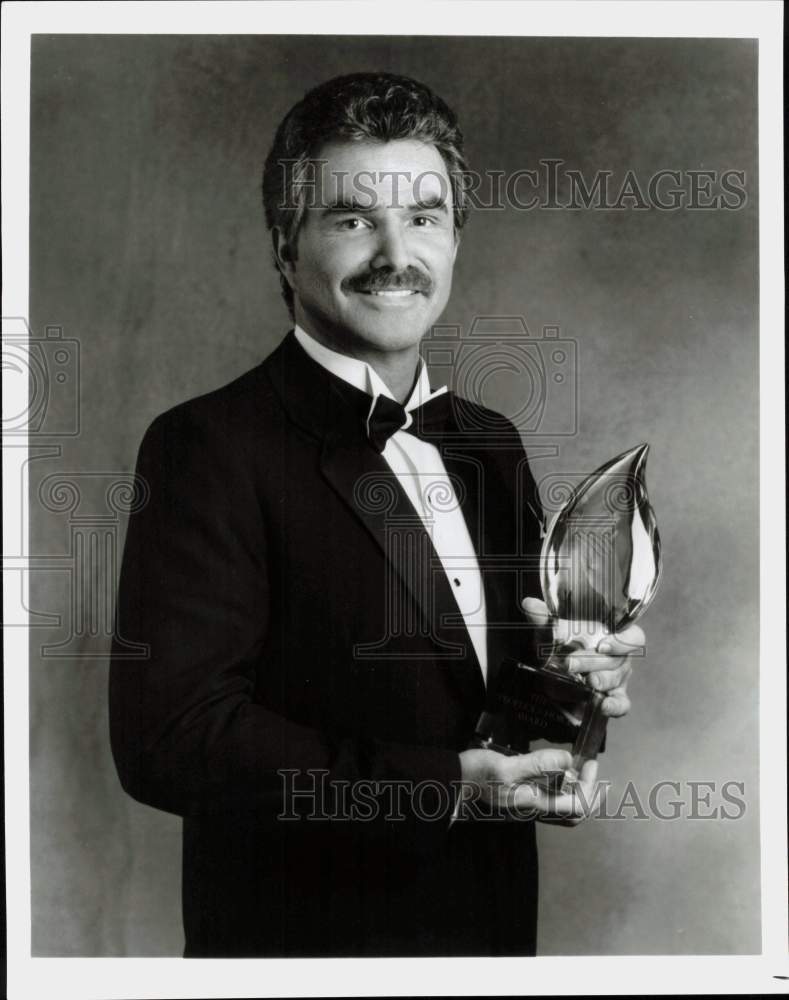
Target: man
(324,576)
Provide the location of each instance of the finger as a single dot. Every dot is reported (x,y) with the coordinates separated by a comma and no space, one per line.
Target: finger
(583,792)
(578,801)
(535,764)
(526,801)
(588,775)
(607,680)
(529,800)
(616,704)
(537,610)
(629,642)
(578,635)
(585,662)
(570,820)
(594,636)
(588,801)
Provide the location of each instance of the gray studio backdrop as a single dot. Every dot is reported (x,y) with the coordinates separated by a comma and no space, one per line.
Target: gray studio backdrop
(149,259)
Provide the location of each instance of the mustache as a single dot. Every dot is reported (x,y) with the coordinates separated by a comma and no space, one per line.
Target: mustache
(383,280)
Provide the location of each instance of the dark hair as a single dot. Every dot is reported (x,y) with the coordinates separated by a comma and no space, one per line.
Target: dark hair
(378,107)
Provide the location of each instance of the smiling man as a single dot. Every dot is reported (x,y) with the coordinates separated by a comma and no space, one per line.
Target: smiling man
(371,265)
(323,577)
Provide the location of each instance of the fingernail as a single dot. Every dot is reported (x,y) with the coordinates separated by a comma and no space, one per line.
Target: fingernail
(605,647)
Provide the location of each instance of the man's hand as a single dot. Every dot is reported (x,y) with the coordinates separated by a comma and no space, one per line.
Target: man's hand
(506,784)
(604,658)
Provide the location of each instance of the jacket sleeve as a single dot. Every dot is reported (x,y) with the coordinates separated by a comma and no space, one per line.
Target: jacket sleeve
(187,735)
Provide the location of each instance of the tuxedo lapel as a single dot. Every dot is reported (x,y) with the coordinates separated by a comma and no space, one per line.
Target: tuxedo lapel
(483,459)
(466,462)
(361,477)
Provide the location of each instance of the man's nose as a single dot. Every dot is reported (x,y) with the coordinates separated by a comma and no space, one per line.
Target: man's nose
(392,248)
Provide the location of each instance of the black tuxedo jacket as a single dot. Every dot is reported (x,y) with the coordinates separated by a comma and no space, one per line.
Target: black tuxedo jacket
(304,638)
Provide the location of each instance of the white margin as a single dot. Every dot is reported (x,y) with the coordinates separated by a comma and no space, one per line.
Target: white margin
(129,977)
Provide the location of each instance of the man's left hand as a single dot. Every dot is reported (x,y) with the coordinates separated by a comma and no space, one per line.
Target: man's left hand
(604,659)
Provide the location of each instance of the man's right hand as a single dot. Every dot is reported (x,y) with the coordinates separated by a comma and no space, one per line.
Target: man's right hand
(506,784)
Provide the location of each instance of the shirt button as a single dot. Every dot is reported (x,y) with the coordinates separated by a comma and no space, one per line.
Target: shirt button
(457,582)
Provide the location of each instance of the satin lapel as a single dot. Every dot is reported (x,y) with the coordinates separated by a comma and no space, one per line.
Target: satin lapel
(486,502)
(363,480)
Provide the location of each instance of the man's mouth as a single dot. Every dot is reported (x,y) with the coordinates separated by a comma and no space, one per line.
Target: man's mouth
(390,287)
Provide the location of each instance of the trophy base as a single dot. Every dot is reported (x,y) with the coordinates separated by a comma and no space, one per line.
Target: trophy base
(542,703)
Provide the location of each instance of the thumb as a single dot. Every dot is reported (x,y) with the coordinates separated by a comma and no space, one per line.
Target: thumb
(537,611)
(538,762)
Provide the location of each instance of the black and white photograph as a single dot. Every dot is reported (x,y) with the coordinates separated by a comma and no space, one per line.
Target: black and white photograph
(394,551)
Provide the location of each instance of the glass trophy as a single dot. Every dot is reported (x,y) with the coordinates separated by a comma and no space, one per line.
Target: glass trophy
(599,568)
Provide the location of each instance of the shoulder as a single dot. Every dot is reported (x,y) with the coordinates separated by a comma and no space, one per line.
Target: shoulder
(226,405)
(226,418)
(495,440)
(489,426)
(200,459)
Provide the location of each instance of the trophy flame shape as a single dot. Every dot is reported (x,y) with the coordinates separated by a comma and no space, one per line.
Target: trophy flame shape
(601,555)
(601,564)
(599,570)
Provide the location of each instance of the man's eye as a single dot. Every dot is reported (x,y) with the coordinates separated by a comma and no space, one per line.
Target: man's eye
(423,221)
(352,223)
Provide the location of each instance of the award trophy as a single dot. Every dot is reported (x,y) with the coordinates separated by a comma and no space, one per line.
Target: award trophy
(600,563)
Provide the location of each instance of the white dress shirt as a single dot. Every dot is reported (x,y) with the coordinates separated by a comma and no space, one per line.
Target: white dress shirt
(423,476)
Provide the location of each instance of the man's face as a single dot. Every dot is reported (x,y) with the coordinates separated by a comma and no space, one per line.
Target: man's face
(374,254)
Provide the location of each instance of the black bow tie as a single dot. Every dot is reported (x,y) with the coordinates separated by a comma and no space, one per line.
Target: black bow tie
(388,417)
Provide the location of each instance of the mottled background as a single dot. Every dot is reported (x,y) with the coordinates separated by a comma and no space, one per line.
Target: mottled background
(148,248)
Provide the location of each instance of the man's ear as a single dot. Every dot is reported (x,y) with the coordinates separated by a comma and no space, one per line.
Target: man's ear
(283,254)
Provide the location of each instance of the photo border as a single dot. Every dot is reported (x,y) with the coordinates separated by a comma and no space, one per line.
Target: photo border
(134,977)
